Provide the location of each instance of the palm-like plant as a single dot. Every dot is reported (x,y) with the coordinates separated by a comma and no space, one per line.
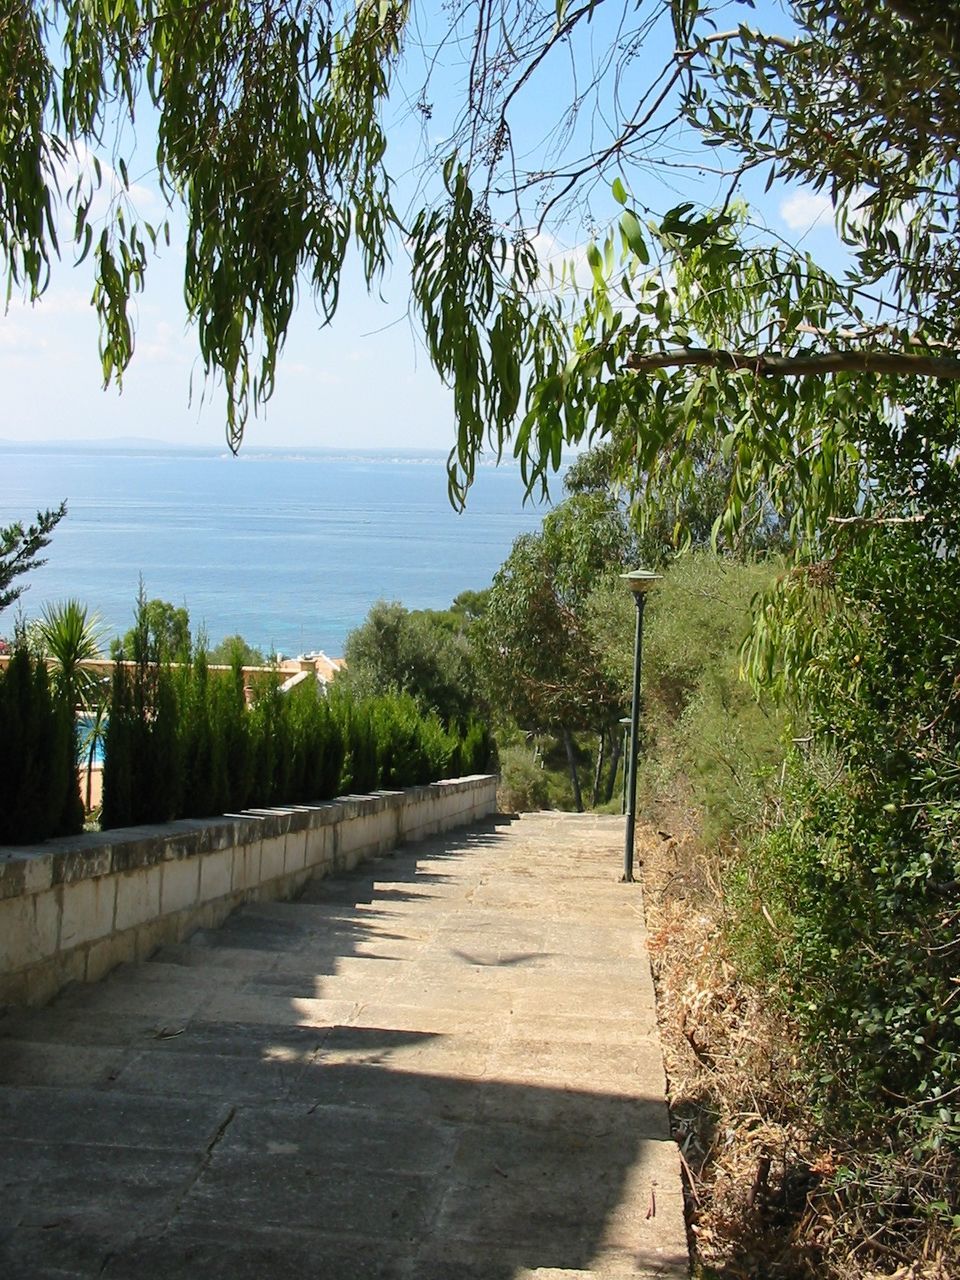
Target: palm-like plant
(70,636)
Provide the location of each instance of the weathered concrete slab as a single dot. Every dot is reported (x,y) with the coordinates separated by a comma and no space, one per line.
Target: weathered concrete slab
(444,1067)
(73,909)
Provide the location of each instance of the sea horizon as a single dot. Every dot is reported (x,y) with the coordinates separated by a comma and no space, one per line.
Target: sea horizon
(288,546)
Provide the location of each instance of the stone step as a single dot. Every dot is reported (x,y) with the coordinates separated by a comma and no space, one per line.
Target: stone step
(449,1069)
(204,957)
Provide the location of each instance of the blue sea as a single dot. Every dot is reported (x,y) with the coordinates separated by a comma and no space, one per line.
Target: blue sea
(287,548)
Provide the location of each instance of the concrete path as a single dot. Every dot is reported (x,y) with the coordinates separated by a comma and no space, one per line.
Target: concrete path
(444,1066)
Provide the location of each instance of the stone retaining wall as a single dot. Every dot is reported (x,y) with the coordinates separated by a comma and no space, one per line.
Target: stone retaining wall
(72,909)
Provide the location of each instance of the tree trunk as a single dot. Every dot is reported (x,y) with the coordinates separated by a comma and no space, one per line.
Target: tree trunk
(598,771)
(572,761)
(614,766)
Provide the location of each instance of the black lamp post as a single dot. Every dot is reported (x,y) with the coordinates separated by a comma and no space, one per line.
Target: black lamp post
(639,581)
(625,753)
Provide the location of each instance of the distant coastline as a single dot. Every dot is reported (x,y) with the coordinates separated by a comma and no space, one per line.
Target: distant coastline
(146,446)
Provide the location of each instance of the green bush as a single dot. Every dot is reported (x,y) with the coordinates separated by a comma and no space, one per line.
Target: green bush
(148,743)
(705,730)
(39,783)
(849,904)
(317,747)
(183,743)
(524,783)
(360,771)
(477,750)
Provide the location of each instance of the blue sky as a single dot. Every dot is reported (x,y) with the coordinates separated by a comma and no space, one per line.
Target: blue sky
(364,381)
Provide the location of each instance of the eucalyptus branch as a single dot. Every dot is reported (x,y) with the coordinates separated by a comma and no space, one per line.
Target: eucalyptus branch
(774,364)
(719,37)
(873,521)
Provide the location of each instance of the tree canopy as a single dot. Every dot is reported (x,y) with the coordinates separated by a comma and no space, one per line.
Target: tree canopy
(235,651)
(424,653)
(165,628)
(268,125)
(536,650)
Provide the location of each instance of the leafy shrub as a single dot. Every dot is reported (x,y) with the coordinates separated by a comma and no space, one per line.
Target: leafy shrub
(477,750)
(524,783)
(317,746)
(183,743)
(39,784)
(704,729)
(148,744)
(423,653)
(361,770)
(860,876)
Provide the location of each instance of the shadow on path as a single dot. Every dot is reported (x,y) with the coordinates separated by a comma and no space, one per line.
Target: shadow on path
(336,1088)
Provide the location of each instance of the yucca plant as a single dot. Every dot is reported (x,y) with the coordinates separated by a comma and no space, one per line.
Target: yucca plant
(70,636)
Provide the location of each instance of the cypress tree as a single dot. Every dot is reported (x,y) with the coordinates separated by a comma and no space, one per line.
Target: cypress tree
(165,782)
(235,725)
(39,788)
(118,753)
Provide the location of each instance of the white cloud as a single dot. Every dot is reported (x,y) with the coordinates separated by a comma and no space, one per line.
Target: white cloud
(16,337)
(59,302)
(806,210)
(167,345)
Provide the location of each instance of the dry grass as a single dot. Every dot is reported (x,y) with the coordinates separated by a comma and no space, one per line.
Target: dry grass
(759,1178)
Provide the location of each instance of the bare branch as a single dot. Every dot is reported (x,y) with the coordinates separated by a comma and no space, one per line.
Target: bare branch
(721,37)
(867,521)
(773,364)
(858,335)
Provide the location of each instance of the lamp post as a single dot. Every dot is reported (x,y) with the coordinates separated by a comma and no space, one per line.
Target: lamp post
(640,582)
(625,753)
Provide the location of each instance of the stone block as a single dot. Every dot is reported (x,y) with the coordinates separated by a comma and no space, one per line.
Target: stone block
(295,849)
(299,880)
(11,876)
(106,954)
(138,897)
(88,910)
(299,818)
(84,861)
(272,856)
(29,929)
(14,988)
(411,817)
(180,885)
(246,866)
(182,839)
(213,914)
(149,936)
(319,846)
(27,871)
(139,847)
(216,834)
(326,815)
(269,890)
(184,923)
(37,872)
(43,981)
(371,832)
(216,875)
(271,822)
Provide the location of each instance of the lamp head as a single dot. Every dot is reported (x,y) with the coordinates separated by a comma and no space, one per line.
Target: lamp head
(640,581)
